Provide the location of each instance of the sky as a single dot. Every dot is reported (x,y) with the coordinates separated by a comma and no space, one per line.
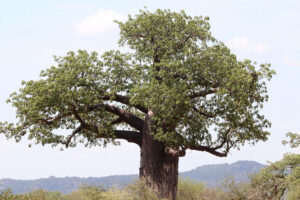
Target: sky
(32,31)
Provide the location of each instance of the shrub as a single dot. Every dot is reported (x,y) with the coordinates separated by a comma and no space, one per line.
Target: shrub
(189,189)
(140,190)
(86,192)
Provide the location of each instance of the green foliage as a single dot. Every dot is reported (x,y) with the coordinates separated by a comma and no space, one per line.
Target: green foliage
(136,191)
(189,189)
(140,190)
(274,181)
(116,194)
(177,69)
(261,187)
(34,195)
(43,195)
(8,195)
(235,190)
(86,193)
(294,139)
(294,193)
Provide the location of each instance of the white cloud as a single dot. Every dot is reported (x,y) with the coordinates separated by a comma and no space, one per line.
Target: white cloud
(292,62)
(245,45)
(98,23)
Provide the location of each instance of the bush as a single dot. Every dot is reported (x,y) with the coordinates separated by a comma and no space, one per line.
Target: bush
(43,195)
(116,194)
(277,181)
(86,192)
(7,195)
(294,193)
(189,189)
(139,190)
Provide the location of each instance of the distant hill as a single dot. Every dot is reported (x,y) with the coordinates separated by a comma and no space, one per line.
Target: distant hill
(209,174)
(212,175)
(65,184)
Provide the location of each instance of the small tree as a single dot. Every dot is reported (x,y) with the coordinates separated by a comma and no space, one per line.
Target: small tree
(277,180)
(178,88)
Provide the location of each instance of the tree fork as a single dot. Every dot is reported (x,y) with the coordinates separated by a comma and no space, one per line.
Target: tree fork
(158,168)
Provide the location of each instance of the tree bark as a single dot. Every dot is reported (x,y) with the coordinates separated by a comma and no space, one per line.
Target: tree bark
(158,168)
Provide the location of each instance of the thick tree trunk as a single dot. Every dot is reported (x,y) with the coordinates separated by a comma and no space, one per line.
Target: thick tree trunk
(158,168)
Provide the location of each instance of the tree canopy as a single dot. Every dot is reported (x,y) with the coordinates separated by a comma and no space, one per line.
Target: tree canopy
(277,179)
(202,96)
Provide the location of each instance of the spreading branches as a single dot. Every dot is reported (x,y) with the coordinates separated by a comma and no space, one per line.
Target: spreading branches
(123,116)
(124,100)
(176,68)
(126,116)
(220,150)
(226,146)
(130,136)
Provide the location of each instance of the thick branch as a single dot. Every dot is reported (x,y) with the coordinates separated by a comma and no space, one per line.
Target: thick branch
(208,149)
(129,136)
(213,150)
(127,117)
(117,121)
(175,153)
(115,97)
(124,100)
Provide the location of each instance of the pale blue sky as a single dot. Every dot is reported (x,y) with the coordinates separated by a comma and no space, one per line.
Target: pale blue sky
(31,32)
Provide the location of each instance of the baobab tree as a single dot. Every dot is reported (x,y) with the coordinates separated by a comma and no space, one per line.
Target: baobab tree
(177,89)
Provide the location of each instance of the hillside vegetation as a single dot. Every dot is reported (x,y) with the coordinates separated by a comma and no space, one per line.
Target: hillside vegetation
(210,175)
(187,190)
(280,180)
